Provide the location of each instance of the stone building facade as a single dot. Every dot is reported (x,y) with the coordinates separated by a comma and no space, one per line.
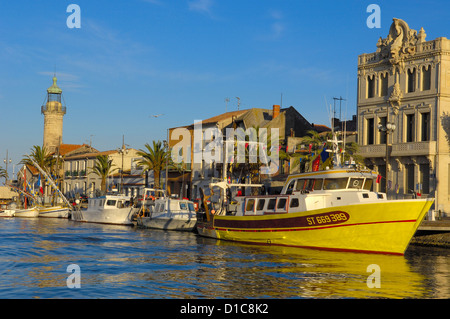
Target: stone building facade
(403,99)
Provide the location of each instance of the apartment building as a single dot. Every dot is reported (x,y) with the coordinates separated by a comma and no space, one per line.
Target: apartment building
(403,97)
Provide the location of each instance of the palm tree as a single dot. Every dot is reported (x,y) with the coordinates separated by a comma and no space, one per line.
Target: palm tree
(155,158)
(103,168)
(316,142)
(252,163)
(3,173)
(42,157)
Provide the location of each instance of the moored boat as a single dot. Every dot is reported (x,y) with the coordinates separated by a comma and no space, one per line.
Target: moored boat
(31,212)
(333,209)
(7,213)
(108,209)
(166,213)
(54,211)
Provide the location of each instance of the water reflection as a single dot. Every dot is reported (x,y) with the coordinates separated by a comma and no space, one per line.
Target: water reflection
(128,262)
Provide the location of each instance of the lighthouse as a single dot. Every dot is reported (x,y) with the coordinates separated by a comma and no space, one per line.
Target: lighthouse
(53,111)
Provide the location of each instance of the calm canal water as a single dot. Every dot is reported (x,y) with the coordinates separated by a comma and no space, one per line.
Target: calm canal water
(129,262)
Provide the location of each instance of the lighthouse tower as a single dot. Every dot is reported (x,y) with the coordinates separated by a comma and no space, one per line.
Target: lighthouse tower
(53,111)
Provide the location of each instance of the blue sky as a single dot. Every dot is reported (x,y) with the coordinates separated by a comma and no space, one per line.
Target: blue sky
(183,58)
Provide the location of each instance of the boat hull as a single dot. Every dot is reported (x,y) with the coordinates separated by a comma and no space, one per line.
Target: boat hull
(385,227)
(116,216)
(54,212)
(7,213)
(166,223)
(27,213)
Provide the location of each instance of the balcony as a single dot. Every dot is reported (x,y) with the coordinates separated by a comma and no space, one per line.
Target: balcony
(414,149)
(401,149)
(377,150)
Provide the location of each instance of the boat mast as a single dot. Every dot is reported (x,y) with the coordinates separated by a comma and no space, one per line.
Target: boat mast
(52,183)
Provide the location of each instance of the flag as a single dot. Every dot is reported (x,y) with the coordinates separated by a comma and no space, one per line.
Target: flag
(41,190)
(315,164)
(378,179)
(324,154)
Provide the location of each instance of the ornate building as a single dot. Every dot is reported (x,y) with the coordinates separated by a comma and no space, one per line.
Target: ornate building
(53,112)
(403,103)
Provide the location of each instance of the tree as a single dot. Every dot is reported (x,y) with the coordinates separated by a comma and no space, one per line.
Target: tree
(103,168)
(3,173)
(42,157)
(155,157)
(315,142)
(252,162)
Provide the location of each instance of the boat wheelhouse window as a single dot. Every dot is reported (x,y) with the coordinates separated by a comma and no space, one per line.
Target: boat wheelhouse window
(309,184)
(250,205)
(271,204)
(191,207)
(300,185)
(290,187)
(281,203)
(260,205)
(318,184)
(294,202)
(356,183)
(183,205)
(335,183)
(368,184)
(110,202)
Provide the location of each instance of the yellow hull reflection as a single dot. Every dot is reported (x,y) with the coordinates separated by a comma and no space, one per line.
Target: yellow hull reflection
(311,273)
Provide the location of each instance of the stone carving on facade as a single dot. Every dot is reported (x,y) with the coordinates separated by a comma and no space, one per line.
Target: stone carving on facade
(396,97)
(400,43)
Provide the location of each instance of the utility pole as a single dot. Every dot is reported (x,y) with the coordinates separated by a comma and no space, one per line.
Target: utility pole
(226,104)
(6,161)
(340,99)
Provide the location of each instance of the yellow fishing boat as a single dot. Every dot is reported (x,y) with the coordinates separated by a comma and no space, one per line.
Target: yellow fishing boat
(332,209)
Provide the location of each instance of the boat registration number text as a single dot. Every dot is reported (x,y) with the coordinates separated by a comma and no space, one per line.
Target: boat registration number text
(328,218)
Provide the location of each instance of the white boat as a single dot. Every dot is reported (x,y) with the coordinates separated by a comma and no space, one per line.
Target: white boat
(7,213)
(54,211)
(166,213)
(108,209)
(31,212)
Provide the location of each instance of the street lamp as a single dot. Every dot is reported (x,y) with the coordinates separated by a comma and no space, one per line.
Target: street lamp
(388,128)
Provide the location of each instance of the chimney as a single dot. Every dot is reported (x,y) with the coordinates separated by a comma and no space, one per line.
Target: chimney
(276,111)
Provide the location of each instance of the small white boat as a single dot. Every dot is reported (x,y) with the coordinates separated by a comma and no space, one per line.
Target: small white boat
(54,211)
(7,213)
(167,213)
(31,212)
(109,209)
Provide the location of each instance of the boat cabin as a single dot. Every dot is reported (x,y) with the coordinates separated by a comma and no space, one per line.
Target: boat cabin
(109,202)
(312,191)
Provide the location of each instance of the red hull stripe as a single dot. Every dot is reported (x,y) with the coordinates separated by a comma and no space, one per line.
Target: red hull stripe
(309,228)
